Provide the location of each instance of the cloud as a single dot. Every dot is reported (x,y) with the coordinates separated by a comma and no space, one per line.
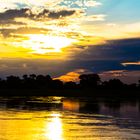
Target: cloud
(92,3)
(51,4)
(82,3)
(124,75)
(107,56)
(14,20)
(7,4)
(130,63)
(58,20)
(112,30)
(22,31)
(72,76)
(92,18)
(121,49)
(14,66)
(11,14)
(12,4)
(113,73)
(8,17)
(27,13)
(111,24)
(62,13)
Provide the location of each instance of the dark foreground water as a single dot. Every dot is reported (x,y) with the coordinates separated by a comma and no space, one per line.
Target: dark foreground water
(57,118)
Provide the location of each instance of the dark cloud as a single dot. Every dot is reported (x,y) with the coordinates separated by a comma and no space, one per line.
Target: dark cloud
(94,65)
(23,30)
(63,13)
(55,14)
(121,50)
(124,75)
(15,13)
(108,56)
(28,66)
(9,15)
(8,22)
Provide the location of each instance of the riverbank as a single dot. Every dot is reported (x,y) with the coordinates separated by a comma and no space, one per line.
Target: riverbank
(72,93)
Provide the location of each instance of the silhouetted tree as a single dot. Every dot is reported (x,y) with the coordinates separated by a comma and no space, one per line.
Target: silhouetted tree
(13,82)
(70,85)
(139,83)
(114,84)
(40,79)
(32,76)
(25,76)
(29,81)
(48,80)
(57,84)
(132,86)
(89,80)
(2,83)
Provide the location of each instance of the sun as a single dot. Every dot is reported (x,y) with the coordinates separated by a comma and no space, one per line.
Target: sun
(42,44)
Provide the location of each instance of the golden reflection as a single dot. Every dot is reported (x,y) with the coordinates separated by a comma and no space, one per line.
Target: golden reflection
(71,105)
(54,130)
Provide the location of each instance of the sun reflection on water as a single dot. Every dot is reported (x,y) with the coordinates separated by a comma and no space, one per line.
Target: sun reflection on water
(54,130)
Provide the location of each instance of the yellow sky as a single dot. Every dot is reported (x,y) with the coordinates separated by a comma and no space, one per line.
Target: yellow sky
(56,32)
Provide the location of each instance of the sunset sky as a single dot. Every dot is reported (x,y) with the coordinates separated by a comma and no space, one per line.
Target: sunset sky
(65,38)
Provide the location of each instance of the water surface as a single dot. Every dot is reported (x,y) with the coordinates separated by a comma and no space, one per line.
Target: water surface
(57,118)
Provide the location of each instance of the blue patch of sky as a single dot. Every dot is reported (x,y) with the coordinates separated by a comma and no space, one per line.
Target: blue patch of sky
(72,3)
(21,5)
(120,11)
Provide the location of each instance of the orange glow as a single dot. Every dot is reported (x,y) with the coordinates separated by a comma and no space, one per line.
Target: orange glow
(71,76)
(71,105)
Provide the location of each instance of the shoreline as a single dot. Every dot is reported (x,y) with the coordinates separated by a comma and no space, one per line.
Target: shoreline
(100,93)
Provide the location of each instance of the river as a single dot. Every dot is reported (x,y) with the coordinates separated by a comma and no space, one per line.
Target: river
(60,118)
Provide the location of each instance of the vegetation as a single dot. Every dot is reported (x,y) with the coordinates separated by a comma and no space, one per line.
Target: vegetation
(89,84)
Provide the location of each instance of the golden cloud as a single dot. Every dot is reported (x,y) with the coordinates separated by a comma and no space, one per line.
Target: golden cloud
(130,63)
(72,76)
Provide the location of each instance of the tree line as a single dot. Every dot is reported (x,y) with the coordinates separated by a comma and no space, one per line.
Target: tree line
(86,81)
